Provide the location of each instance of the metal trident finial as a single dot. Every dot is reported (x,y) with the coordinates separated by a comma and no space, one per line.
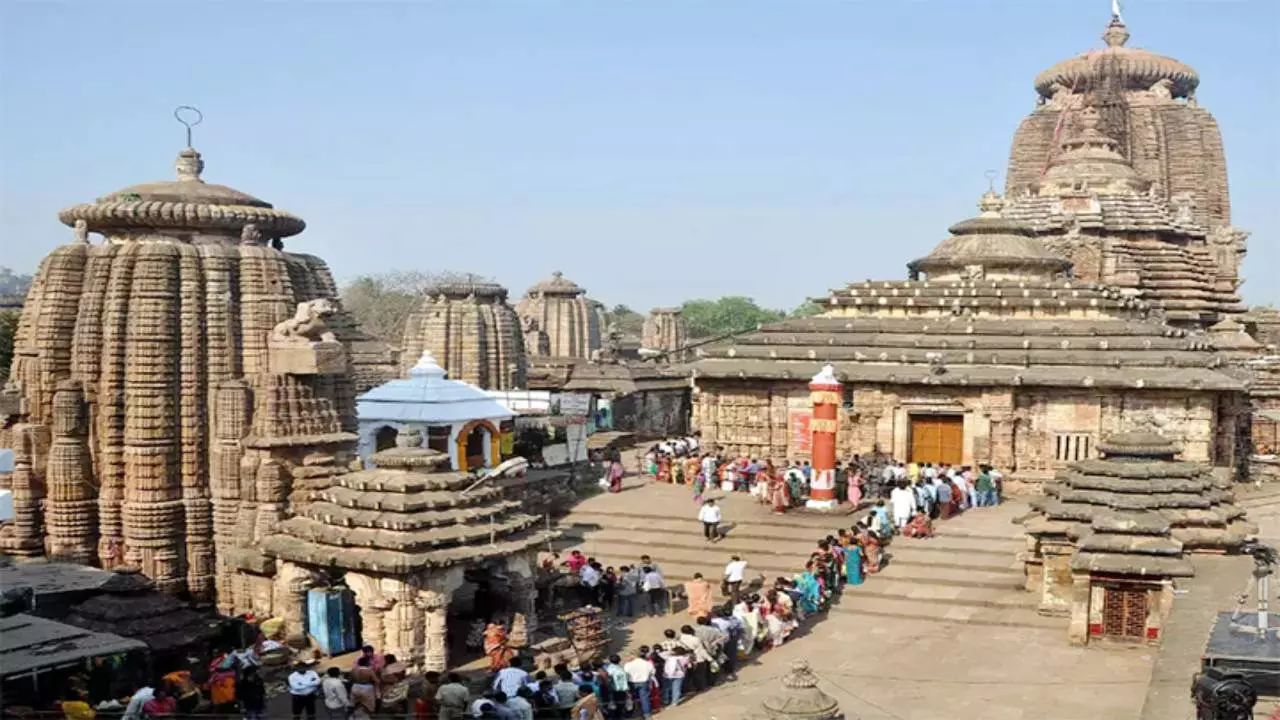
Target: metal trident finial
(990,175)
(189,121)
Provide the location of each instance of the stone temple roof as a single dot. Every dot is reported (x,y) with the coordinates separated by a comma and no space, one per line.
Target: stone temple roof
(408,514)
(991,240)
(186,204)
(1135,510)
(459,288)
(557,284)
(427,396)
(981,351)
(1137,69)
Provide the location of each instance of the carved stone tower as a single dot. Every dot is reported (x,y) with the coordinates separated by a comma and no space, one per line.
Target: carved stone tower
(472,331)
(664,329)
(561,308)
(121,355)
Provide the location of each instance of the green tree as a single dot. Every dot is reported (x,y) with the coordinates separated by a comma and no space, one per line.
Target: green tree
(628,322)
(382,303)
(807,309)
(730,314)
(8,326)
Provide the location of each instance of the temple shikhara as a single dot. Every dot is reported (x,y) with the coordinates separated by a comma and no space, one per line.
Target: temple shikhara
(1098,295)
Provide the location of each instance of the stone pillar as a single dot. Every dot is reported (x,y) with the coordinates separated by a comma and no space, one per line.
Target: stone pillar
(1056,587)
(230,424)
(435,615)
(71,510)
(824,391)
(524,598)
(1081,595)
(288,595)
(23,536)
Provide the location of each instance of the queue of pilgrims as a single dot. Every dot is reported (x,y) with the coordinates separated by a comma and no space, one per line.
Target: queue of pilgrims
(916,493)
(692,656)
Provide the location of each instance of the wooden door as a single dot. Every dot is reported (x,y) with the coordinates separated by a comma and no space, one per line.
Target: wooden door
(1124,612)
(937,439)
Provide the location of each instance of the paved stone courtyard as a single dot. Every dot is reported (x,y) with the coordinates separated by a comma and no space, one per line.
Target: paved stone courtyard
(942,632)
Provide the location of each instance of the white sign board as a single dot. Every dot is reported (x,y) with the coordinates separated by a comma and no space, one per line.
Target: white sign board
(576,404)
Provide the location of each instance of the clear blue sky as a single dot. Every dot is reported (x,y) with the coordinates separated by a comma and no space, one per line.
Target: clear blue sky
(653,151)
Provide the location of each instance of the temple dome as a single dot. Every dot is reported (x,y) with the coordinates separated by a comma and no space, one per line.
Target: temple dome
(999,246)
(185,204)
(1090,159)
(1137,69)
(557,284)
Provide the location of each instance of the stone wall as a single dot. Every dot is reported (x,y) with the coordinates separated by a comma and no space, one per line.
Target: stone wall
(653,413)
(1015,430)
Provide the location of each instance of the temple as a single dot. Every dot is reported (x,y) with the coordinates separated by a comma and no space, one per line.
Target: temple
(1110,536)
(472,331)
(572,324)
(170,382)
(1096,297)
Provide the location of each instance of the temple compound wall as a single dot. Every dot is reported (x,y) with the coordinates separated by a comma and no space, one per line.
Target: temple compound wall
(1029,433)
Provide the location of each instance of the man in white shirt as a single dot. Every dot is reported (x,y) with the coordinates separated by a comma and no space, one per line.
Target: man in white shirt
(656,590)
(640,673)
(734,573)
(903,502)
(590,577)
(710,516)
(303,684)
(510,679)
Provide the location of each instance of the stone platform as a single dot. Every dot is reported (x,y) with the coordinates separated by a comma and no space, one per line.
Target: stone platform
(943,631)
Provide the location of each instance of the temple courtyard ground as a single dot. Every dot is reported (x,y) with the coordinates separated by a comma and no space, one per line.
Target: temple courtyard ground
(944,631)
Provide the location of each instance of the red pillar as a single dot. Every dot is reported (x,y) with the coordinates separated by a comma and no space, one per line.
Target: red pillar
(825,392)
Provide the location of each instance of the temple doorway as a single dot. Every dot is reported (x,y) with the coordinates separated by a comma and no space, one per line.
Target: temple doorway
(385,439)
(937,439)
(477,446)
(1124,612)
(482,598)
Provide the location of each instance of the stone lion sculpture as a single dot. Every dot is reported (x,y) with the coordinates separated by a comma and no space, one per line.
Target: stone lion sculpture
(308,324)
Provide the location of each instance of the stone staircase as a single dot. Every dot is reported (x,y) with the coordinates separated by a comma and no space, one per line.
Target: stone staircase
(967,574)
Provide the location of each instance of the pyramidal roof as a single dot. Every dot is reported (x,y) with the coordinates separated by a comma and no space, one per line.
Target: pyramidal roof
(429,396)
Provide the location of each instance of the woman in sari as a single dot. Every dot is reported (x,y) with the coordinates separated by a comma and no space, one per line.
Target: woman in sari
(753,626)
(855,489)
(870,549)
(699,487)
(699,594)
(495,646)
(779,495)
(919,527)
(664,469)
(692,466)
(810,590)
(853,562)
(615,476)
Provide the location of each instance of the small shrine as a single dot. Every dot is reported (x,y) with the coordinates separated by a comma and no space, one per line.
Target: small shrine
(452,417)
(406,537)
(1111,536)
(801,698)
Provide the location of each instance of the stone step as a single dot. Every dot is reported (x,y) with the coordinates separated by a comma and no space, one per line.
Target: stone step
(656,527)
(853,601)
(791,521)
(773,553)
(908,592)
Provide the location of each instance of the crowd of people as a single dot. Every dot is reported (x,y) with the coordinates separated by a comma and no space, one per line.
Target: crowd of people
(869,477)
(695,655)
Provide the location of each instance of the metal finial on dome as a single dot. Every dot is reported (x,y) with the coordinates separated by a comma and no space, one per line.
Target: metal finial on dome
(189,117)
(1116,34)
